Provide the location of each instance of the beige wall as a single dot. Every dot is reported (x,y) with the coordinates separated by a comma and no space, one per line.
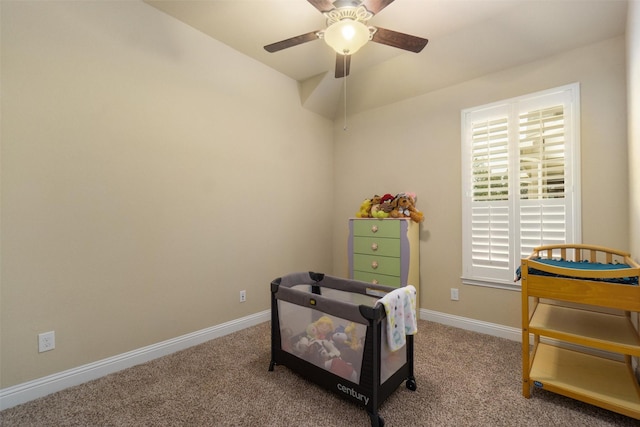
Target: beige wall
(633,81)
(149,173)
(414,145)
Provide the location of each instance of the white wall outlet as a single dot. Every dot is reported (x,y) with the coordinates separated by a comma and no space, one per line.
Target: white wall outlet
(243,296)
(454,294)
(46,341)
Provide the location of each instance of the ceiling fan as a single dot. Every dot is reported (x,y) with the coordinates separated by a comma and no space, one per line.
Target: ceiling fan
(347,31)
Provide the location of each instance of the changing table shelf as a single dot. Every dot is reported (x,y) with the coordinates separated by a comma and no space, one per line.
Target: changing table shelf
(592,379)
(604,331)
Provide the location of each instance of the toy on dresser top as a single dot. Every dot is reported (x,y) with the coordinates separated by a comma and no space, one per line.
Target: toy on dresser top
(376,207)
(401,205)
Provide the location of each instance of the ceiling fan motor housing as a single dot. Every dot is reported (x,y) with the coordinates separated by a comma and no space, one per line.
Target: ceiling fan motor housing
(338,4)
(359,14)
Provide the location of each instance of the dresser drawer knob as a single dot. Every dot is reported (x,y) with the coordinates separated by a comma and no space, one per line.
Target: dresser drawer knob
(374,264)
(374,281)
(374,246)
(374,229)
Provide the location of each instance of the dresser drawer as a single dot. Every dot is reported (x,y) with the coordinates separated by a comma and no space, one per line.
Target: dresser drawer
(376,246)
(377,227)
(378,279)
(377,264)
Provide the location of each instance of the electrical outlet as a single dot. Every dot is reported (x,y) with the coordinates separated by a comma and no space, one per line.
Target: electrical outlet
(243,296)
(46,341)
(454,294)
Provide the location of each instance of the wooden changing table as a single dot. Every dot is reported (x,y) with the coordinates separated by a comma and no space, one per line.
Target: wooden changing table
(583,335)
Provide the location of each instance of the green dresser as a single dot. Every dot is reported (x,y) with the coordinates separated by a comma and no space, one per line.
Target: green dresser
(384,251)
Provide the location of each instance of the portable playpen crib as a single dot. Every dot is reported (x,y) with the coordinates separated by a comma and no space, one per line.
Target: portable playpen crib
(332,332)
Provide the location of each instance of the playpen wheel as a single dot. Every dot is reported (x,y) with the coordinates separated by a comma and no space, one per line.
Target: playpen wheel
(411,384)
(376,420)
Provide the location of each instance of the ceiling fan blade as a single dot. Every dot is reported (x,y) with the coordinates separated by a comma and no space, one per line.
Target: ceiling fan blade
(343,63)
(322,5)
(293,41)
(375,6)
(399,40)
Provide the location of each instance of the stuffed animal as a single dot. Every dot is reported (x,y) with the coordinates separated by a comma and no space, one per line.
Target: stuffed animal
(328,350)
(323,328)
(385,201)
(348,344)
(375,206)
(404,207)
(339,336)
(352,338)
(365,209)
(381,206)
(342,369)
(301,347)
(377,210)
(311,331)
(313,354)
(320,351)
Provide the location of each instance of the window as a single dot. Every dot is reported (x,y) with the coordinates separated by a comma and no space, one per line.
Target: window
(520,179)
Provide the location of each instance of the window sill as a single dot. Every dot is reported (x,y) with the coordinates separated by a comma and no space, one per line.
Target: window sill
(513,286)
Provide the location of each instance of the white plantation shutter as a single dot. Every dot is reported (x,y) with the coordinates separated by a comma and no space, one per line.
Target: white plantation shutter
(490,234)
(542,154)
(519,172)
(489,189)
(490,159)
(543,200)
(541,224)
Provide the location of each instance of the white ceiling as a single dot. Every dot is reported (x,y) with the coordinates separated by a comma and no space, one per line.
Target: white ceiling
(467,39)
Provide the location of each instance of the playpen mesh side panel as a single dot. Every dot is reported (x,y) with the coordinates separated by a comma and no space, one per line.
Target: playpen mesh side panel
(390,361)
(356,393)
(329,342)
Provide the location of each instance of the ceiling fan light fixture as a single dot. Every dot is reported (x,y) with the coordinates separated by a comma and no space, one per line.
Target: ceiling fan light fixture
(347,36)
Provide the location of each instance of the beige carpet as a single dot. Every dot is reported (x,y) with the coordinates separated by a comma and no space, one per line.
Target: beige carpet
(464,379)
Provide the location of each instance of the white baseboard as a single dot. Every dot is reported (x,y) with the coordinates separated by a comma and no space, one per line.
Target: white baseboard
(25,392)
(514,334)
(40,387)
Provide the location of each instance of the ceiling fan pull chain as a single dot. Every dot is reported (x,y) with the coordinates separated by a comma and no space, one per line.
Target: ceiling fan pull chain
(344,59)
